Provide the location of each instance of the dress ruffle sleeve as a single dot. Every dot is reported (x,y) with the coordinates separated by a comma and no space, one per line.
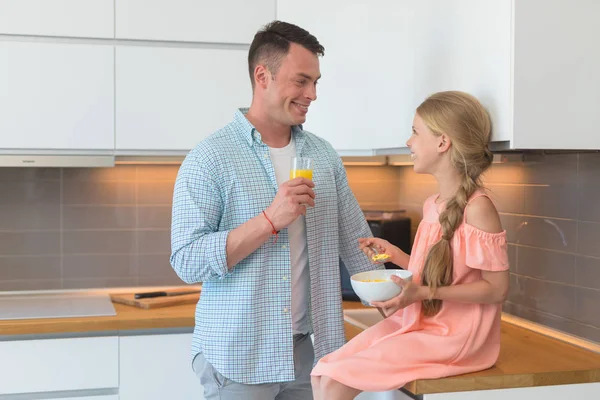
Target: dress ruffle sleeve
(484,250)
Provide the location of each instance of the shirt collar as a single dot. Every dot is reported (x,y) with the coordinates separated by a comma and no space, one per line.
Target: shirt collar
(251,134)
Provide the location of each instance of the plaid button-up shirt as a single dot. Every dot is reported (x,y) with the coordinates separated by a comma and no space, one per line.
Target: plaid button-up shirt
(243,318)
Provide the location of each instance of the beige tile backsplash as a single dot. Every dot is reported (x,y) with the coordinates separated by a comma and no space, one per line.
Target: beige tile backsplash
(77,228)
(109,227)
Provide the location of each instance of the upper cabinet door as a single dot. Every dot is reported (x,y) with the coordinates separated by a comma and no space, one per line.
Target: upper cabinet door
(56,96)
(365,95)
(172,98)
(557,74)
(533,64)
(466,45)
(222,21)
(71,18)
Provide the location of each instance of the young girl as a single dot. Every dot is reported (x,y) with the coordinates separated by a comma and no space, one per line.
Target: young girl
(446,321)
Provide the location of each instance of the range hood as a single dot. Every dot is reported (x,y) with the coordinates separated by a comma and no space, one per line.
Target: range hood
(56,161)
(110,160)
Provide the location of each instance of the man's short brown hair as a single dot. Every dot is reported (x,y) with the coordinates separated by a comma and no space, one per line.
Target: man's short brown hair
(272,43)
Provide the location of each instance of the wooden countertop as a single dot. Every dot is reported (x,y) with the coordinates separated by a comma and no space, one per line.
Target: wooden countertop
(526,359)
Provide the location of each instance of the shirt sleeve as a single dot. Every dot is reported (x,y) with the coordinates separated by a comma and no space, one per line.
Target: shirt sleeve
(198,248)
(352,225)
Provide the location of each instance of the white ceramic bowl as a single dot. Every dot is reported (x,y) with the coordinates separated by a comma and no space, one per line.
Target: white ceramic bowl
(378,291)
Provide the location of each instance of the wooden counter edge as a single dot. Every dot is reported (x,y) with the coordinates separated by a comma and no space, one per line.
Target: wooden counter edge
(465,383)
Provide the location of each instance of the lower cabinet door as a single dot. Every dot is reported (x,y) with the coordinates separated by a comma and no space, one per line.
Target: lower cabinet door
(58,365)
(157,367)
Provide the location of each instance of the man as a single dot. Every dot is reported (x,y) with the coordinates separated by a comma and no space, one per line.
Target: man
(266,248)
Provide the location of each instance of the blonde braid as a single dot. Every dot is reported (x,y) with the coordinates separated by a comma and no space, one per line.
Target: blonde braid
(438,269)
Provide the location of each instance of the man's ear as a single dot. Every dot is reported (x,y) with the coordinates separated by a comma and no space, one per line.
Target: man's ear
(261,75)
(444,143)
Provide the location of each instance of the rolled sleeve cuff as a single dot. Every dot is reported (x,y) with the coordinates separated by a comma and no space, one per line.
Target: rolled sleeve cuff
(217,253)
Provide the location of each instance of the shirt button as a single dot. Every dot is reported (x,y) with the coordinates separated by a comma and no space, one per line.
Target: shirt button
(284,247)
(285,278)
(266,156)
(285,310)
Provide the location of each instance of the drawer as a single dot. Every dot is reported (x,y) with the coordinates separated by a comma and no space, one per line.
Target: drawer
(30,366)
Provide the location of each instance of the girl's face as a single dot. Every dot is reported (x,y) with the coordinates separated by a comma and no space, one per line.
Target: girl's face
(426,149)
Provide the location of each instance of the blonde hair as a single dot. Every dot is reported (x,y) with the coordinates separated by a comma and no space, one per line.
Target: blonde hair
(466,122)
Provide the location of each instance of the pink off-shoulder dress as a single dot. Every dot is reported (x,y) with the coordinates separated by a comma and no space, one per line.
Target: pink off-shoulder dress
(406,346)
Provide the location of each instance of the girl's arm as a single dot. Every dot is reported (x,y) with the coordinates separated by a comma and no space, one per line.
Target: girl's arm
(491,289)
(397,256)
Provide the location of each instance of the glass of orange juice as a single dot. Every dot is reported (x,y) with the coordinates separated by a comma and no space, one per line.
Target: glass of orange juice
(301,166)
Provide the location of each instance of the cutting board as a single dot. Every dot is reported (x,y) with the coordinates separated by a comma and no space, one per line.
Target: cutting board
(155,302)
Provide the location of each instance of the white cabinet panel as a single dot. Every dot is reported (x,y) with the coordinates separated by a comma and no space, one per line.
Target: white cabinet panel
(115,397)
(157,367)
(533,64)
(172,98)
(73,18)
(466,45)
(557,74)
(365,95)
(56,96)
(32,366)
(389,395)
(557,392)
(223,21)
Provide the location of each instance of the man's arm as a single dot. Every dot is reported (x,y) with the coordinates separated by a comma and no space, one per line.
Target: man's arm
(200,251)
(287,206)
(352,225)
(198,248)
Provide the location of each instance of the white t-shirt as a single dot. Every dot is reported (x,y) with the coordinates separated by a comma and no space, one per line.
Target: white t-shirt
(281,159)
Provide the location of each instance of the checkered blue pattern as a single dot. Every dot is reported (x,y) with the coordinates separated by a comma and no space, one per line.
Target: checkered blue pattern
(243,318)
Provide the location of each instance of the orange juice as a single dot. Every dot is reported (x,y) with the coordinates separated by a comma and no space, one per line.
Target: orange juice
(305,173)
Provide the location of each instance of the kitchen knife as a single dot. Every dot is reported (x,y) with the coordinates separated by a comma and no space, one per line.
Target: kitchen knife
(149,295)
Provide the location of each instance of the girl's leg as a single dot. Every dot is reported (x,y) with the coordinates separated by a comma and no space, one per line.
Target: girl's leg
(316,387)
(334,390)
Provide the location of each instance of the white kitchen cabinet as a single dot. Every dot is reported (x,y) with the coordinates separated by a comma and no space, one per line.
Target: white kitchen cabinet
(70,18)
(223,21)
(56,96)
(53,365)
(556,77)
(365,95)
(534,64)
(172,98)
(466,45)
(157,367)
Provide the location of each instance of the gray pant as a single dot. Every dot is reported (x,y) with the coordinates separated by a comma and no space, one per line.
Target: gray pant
(217,387)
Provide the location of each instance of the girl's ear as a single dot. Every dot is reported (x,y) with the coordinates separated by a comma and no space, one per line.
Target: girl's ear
(444,143)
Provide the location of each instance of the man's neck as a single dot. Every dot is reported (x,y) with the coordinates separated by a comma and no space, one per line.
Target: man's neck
(273,134)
